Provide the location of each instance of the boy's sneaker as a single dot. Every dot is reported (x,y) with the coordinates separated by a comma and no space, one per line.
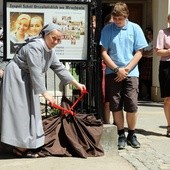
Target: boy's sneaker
(132,141)
(121,141)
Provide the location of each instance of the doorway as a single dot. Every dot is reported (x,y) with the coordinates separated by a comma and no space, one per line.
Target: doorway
(135,10)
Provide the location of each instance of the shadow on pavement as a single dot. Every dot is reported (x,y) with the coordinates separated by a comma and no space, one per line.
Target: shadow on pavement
(147,133)
(7,156)
(150,103)
(6,151)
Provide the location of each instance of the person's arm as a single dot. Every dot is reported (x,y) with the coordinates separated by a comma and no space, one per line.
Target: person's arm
(147,53)
(122,72)
(163,52)
(160,45)
(106,58)
(48,97)
(1,73)
(78,85)
(2,67)
(64,74)
(134,61)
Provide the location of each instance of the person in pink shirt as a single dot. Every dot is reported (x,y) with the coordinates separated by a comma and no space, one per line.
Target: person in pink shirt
(163,51)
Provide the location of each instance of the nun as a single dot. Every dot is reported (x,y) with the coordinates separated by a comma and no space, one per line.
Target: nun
(23,82)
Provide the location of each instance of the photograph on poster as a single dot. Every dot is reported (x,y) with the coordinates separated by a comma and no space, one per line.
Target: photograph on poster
(73,19)
(22,26)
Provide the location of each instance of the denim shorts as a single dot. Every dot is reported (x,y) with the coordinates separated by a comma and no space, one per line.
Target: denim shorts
(122,95)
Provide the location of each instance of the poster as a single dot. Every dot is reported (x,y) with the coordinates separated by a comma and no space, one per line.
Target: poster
(73,19)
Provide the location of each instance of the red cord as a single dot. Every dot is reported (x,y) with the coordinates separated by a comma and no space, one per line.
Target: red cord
(66,111)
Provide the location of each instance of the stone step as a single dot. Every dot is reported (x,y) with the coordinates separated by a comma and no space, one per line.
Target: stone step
(109,139)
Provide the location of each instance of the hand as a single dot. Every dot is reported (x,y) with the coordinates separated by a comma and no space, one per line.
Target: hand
(78,85)
(121,74)
(1,73)
(48,97)
(81,86)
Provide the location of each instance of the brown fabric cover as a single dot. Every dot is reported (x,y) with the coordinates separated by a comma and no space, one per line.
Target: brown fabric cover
(68,135)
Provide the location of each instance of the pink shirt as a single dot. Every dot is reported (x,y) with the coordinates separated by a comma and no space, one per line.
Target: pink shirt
(163,42)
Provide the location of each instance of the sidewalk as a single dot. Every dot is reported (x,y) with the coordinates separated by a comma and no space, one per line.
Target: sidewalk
(107,162)
(154,153)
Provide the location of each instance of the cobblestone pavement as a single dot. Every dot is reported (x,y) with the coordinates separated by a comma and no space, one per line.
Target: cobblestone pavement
(154,153)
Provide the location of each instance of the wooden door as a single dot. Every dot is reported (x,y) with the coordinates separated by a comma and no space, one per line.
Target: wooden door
(135,10)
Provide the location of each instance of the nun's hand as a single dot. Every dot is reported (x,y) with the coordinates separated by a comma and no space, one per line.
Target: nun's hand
(48,97)
(81,87)
(78,85)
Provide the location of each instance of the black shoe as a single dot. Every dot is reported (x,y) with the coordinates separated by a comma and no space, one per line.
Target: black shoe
(132,141)
(121,141)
